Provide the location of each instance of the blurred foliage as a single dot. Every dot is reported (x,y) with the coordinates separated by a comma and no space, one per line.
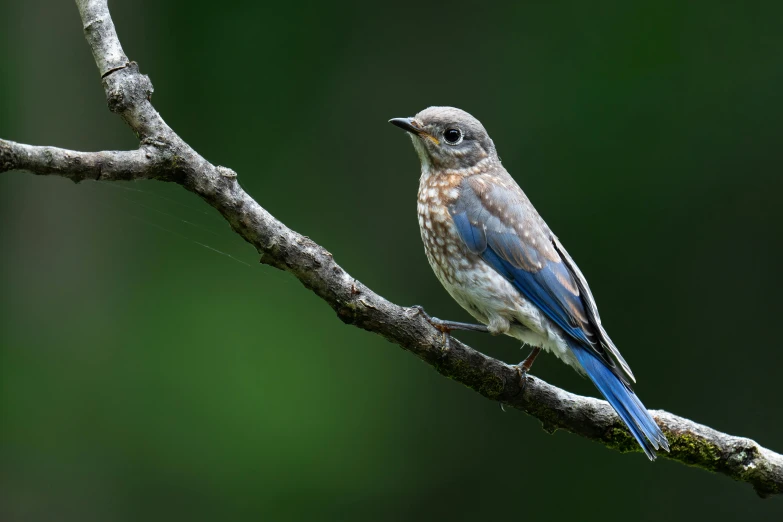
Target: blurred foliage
(145,377)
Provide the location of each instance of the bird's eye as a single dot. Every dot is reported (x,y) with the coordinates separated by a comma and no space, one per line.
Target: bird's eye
(452,136)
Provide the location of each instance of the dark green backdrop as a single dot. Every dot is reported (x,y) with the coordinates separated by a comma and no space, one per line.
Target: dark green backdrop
(145,377)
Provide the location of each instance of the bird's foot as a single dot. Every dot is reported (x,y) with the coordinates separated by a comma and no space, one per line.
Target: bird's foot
(524,367)
(446,327)
(438,324)
(522,375)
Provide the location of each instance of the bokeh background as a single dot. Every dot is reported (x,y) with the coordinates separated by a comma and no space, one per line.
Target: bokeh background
(144,376)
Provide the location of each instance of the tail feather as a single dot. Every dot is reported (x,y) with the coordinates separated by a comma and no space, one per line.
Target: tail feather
(624,401)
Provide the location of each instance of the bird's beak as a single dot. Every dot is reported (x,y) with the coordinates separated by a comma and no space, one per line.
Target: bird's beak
(412,126)
(408,124)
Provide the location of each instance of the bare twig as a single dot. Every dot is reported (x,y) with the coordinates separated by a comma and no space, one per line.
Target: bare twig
(79,166)
(163,155)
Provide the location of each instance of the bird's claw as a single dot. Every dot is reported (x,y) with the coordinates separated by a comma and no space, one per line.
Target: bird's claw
(524,367)
(522,374)
(439,325)
(446,343)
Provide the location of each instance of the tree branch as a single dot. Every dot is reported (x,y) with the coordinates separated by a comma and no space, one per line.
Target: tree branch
(163,155)
(79,166)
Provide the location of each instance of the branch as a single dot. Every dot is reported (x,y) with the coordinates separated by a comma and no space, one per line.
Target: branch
(163,155)
(79,166)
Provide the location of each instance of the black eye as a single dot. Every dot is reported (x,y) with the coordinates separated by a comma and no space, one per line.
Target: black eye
(452,136)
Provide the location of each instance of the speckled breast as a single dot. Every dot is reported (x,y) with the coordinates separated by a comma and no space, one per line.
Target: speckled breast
(445,250)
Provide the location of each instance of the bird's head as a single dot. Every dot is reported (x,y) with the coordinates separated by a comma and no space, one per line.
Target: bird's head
(448,138)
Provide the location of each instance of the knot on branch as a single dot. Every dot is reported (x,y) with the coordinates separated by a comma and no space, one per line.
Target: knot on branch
(126,88)
(226,172)
(743,455)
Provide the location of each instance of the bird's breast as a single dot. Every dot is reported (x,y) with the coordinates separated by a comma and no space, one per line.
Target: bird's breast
(445,250)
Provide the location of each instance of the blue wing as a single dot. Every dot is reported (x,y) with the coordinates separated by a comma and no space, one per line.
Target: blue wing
(496,221)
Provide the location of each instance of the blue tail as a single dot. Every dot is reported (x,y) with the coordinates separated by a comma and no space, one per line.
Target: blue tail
(623,400)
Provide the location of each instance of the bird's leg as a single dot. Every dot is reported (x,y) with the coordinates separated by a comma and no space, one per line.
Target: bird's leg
(446,327)
(524,366)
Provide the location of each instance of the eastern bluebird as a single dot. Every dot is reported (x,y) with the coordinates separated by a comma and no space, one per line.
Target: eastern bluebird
(498,259)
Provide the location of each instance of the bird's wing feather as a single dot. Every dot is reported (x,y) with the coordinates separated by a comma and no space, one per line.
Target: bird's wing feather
(496,221)
(592,308)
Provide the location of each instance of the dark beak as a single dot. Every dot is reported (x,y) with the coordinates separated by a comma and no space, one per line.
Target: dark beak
(412,126)
(406,124)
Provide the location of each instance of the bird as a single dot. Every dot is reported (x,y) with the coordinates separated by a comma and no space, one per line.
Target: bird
(496,256)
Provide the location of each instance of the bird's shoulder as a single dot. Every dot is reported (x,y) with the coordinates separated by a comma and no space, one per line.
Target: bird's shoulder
(495,202)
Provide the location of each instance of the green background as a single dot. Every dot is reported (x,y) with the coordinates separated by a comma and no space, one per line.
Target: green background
(145,377)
